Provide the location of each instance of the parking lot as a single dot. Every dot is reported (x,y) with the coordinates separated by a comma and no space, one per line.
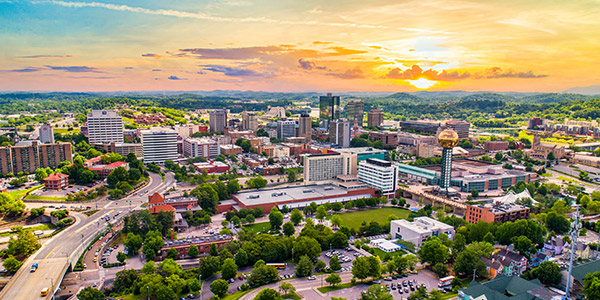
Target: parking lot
(346,256)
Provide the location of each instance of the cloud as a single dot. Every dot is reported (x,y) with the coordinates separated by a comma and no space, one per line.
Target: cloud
(233,53)
(156,70)
(309,65)
(152,55)
(322,43)
(173,77)
(75,69)
(128,68)
(415,72)
(496,72)
(25,70)
(346,51)
(200,73)
(235,72)
(198,16)
(45,56)
(349,74)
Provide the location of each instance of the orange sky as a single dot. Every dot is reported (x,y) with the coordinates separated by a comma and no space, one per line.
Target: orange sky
(546,46)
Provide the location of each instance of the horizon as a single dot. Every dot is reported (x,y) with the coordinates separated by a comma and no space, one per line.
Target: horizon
(379,47)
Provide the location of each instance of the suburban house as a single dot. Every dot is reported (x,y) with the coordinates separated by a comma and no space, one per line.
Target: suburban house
(56,181)
(581,250)
(537,259)
(512,263)
(493,266)
(554,247)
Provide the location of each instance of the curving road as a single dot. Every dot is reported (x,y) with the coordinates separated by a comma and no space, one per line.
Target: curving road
(65,248)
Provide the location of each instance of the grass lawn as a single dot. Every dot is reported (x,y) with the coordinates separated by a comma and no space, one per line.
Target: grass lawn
(354,219)
(36,228)
(327,289)
(546,175)
(66,130)
(235,296)
(563,178)
(47,198)
(18,194)
(258,227)
(382,254)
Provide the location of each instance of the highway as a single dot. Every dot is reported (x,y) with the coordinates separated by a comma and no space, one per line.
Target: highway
(65,248)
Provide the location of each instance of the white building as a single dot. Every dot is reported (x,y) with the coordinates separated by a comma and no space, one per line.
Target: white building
(386,245)
(286,129)
(380,174)
(339,133)
(419,230)
(104,126)
(249,121)
(159,144)
(205,147)
(320,167)
(218,120)
(46,134)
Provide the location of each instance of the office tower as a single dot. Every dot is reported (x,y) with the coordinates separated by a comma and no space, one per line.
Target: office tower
(461,128)
(104,126)
(375,117)
(329,109)
(46,134)
(159,144)
(286,129)
(205,147)
(249,121)
(355,112)
(319,167)
(448,139)
(218,120)
(380,174)
(339,133)
(28,156)
(305,126)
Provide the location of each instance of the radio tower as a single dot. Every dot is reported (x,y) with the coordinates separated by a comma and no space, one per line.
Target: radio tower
(575,226)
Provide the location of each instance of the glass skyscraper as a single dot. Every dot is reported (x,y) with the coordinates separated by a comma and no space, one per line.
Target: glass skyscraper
(329,109)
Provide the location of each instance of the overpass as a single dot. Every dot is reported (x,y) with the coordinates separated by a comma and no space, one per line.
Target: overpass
(433,199)
(588,146)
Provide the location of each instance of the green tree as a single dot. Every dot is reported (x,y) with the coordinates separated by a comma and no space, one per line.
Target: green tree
(24,245)
(467,261)
(121,257)
(268,294)
(241,258)
(134,174)
(172,253)
(591,285)
(149,268)
(333,279)
(90,293)
(275,218)
(320,265)
(289,229)
(304,267)
(233,186)
(376,292)
(40,174)
(440,269)
(321,212)
(286,288)
(193,251)
(489,237)
(11,264)
(433,251)
(334,263)
(229,269)
(307,246)
(296,216)
(133,243)
(360,268)
(219,287)
(557,222)
(548,273)
(523,245)
(256,183)
(213,250)
(208,198)
(117,175)
(291,176)
(209,265)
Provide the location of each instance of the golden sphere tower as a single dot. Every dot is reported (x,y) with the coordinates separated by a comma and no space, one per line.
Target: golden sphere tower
(448,139)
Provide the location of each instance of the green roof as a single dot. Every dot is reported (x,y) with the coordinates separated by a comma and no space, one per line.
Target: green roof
(579,271)
(508,288)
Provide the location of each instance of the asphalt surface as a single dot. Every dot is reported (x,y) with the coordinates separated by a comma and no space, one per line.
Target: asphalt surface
(53,256)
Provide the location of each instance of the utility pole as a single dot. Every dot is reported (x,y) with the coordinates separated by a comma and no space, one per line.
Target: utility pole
(575,226)
(200,277)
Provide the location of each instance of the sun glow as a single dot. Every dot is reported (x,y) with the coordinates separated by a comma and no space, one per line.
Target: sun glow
(422,83)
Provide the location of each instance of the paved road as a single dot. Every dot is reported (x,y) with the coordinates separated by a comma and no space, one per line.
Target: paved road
(52,257)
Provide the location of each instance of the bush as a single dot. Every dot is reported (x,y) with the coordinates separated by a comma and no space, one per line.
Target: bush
(60,214)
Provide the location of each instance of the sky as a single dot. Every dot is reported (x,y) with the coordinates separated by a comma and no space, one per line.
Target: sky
(297,46)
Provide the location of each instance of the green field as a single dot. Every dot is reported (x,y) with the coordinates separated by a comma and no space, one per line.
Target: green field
(258,227)
(354,219)
(18,194)
(66,130)
(36,197)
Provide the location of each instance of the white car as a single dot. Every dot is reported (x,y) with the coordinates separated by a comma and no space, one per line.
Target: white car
(312,277)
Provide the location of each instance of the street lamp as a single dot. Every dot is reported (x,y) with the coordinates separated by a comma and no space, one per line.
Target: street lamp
(51,286)
(200,278)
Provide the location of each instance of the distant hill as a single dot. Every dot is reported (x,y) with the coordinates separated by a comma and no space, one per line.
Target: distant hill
(585,90)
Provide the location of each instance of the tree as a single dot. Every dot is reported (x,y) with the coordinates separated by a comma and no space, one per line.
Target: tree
(320,265)
(134,174)
(338,240)
(304,267)
(286,288)
(40,174)
(321,212)
(90,293)
(591,285)
(289,229)
(275,218)
(233,186)
(193,251)
(291,176)
(440,269)
(333,279)
(221,190)
(467,261)
(268,294)
(262,274)
(523,245)
(121,257)
(360,268)
(209,265)
(256,183)
(376,292)
(229,269)
(11,264)
(24,245)
(489,237)
(149,268)
(433,251)
(117,175)
(208,198)
(557,223)
(213,250)
(169,267)
(172,253)
(334,263)
(36,212)
(336,220)
(296,216)
(548,273)
(307,246)
(458,244)
(133,243)
(219,287)
(241,258)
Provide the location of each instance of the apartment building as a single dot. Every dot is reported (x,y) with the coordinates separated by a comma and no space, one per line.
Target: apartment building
(496,212)
(104,126)
(218,120)
(375,117)
(339,133)
(27,156)
(159,144)
(205,147)
(319,167)
(380,174)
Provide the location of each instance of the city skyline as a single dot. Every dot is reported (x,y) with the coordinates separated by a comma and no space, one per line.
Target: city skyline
(335,46)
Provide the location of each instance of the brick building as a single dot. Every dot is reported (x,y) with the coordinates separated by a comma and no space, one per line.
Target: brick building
(182,246)
(496,212)
(56,181)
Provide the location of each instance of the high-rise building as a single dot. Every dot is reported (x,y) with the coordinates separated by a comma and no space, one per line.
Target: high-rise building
(375,117)
(355,112)
(218,120)
(319,167)
(380,174)
(448,139)
(286,129)
(339,133)
(159,144)
(329,109)
(461,128)
(249,121)
(104,126)
(305,126)
(205,147)
(27,156)
(46,134)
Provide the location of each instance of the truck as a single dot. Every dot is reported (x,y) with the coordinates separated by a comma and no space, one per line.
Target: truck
(34,267)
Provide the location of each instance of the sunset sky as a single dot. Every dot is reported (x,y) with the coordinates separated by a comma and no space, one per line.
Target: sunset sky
(294,46)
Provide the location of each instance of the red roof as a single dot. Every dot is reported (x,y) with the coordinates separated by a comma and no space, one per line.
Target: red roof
(56,176)
(159,208)
(156,198)
(116,164)
(95,159)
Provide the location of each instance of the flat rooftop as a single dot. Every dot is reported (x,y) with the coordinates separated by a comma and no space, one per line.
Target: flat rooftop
(502,207)
(474,163)
(360,150)
(290,194)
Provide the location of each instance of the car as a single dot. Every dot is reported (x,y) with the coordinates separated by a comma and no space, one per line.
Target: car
(84,265)
(312,277)
(387,279)
(34,267)
(406,290)
(231,280)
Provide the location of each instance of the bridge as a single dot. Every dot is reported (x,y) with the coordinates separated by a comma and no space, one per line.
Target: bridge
(433,199)
(588,146)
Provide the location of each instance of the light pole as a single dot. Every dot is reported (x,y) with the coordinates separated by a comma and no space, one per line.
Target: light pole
(51,286)
(148,291)
(200,277)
